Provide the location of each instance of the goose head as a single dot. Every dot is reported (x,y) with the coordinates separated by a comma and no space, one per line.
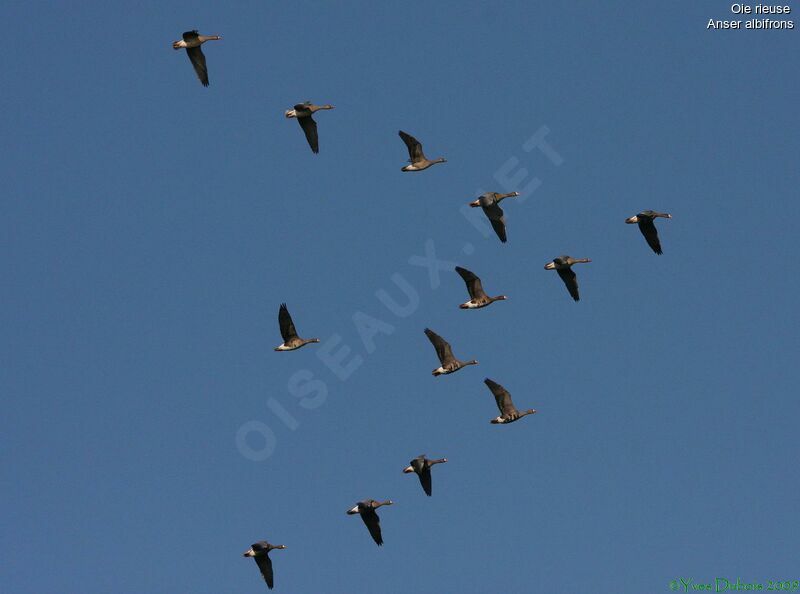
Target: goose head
(633,219)
(290,113)
(408,469)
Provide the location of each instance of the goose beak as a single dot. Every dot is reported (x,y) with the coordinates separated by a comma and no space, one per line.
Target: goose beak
(475,203)
(408,469)
(631,220)
(550,266)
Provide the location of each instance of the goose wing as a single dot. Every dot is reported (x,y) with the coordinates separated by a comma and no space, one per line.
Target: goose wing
(473,283)
(443,350)
(288,330)
(502,397)
(265,567)
(496,218)
(570,280)
(373,524)
(198,60)
(309,126)
(415,153)
(648,229)
(425,479)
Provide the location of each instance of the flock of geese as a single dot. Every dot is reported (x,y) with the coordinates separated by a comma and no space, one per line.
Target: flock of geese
(448,363)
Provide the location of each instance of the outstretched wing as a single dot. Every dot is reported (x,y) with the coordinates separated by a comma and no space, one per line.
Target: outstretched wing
(502,397)
(265,566)
(473,283)
(648,229)
(414,147)
(570,280)
(309,126)
(373,523)
(425,480)
(198,61)
(288,330)
(443,350)
(497,219)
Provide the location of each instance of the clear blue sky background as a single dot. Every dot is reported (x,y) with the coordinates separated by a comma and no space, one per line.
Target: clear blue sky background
(151,228)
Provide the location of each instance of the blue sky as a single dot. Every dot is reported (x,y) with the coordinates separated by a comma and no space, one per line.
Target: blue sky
(152,227)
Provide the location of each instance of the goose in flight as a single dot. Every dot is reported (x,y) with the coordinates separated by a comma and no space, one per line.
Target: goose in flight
(260,552)
(490,203)
(563,265)
(508,412)
(422,466)
(646,221)
(288,332)
(477,297)
(191,42)
(303,113)
(366,509)
(415,155)
(449,364)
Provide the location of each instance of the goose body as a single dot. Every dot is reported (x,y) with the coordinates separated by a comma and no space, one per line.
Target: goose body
(422,466)
(563,265)
(508,412)
(477,297)
(291,341)
(260,552)
(490,203)
(449,364)
(415,155)
(366,509)
(303,112)
(646,221)
(191,42)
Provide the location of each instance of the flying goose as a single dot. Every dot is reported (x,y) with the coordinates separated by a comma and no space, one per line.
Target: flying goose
(490,203)
(415,155)
(477,297)
(191,42)
(303,113)
(562,265)
(646,219)
(422,466)
(508,412)
(449,363)
(290,339)
(260,552)
(366,509)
